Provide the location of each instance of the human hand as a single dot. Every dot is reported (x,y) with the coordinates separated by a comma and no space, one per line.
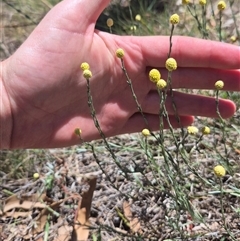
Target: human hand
(45,95)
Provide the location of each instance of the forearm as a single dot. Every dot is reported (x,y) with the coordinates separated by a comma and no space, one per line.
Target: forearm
(5,113)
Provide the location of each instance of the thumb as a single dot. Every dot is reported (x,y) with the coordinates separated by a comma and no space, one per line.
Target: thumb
(76,15)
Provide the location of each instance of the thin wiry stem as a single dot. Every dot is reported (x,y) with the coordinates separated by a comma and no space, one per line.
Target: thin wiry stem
(97,125)
(220,26)
(129,81)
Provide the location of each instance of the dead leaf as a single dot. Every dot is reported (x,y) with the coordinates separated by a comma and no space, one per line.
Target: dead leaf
(23,202)
(17,214)
(64,232)
(81,231)
(134,223)
(238,151)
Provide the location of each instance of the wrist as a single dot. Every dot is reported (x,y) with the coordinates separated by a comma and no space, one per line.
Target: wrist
(5,112)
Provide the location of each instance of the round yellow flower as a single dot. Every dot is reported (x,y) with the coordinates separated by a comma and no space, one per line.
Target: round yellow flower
(171,64)
(85,66)
(185,1)
(219,171)
(202,2)
(120,53)
(133,28)
(87,74)
(206,130)
(219,85)
(110,22)
(161,84)
(174,19)
(78,131)
(138,17)
(146,132)
(233,39)
(154,75)
(192,130)
(36,175)
(221,5)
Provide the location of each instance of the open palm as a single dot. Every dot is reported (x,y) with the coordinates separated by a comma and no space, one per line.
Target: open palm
(48,95)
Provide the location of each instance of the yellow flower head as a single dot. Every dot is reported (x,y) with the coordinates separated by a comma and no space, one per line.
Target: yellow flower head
(138,17)
(87,74)
(133,28)
(192,130)
(78,131)
(219,85)
(146,132)
(206,130)
(161,84)
(154,75)
(85,66)
(174,19)
(221,5)
(120,53)
(171,64)
(110,22)
(202,2)
(233,39)
(185,1)
(219,171)
(36,175)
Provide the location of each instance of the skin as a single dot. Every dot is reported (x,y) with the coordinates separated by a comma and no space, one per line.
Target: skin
(44,96)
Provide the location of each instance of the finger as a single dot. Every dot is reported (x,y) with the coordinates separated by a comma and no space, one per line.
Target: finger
(195,78)
(75,15)
(201,78)
(188,104)
(189,52)
(136,123)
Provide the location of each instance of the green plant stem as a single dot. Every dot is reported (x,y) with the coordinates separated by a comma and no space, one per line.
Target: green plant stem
(201,28)
(133,92)
(97,125)
(204,24)
(235,21)
(222,212)
(222,128)
(220,26)
(102,169)
(170,45)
